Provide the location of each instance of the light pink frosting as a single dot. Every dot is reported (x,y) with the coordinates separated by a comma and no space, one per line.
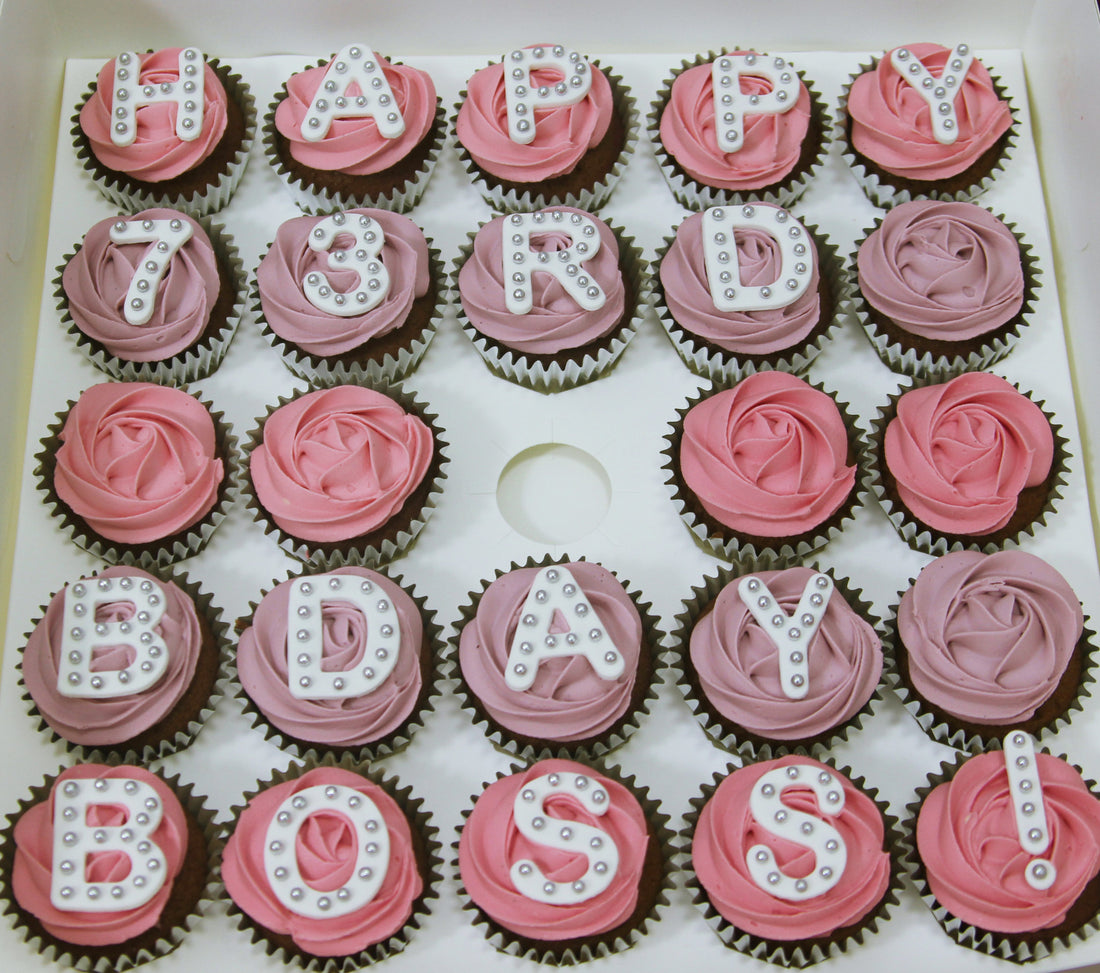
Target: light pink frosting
(285,266)
(338,463)
(891,122)
(688,297)
(157,154)
(767,457)
(967,840)
(97,278)
(491,843)
(988,636)
(34,862)
(737,663)
(556,322)
(568,699)
(942,270)
(345,638)
(325,848)
(354,146)
(138,461)
(962,451)
(727,830)
(770,148)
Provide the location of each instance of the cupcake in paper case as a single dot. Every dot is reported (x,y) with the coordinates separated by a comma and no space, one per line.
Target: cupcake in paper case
(346,475)
(331,865)
(106,867)
(351,298)
(748,288)
(943,286)
(563,862)
(153,297)
(343,663)
(792,860)
(735,126)
(556,658)
(545,126)
(169,128)
(925,121)
(138,473)
(355,130)
(550,299)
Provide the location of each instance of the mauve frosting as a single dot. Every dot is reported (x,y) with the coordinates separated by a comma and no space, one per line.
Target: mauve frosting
(34,862)
(354,721)
(138,462)
(325,848)
(687,293)
(737,663)
(563,134)
(98,276)
(967,840)
(338,463)
(767,457)
(727,830)
(491,843)
(157,154)
(988,636)
(556,322)
(770,148)
(962,451)
(568,699)
(891,122)
(942,270)
(290,259)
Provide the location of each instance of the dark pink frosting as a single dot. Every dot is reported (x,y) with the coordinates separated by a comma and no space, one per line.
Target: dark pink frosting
(967,840)
(34,862)
(962,451)
(326,848)
(768,456)
(737,663)
(568,699)
(291,315)
(157,153)
(942,270)
(491,843)
(688,297)
(138,461)
(355,721)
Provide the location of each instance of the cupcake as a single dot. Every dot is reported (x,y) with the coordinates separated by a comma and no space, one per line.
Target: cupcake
(766,470)
(550,299)
(780,661)
(345,475)
(303,884)
(990,642)
(356,130)
(539,898)
(154,297)
(120,889)
(350,298)
(736,126)
(791,860)
(138,473)
(925,120)
(299,659)
(943,286)
(168,128)
(769,300)
(545,126)
(556,658)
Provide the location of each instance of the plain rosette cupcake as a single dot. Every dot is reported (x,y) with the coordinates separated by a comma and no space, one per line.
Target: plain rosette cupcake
(169,128)
(345,475)
(355,130)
